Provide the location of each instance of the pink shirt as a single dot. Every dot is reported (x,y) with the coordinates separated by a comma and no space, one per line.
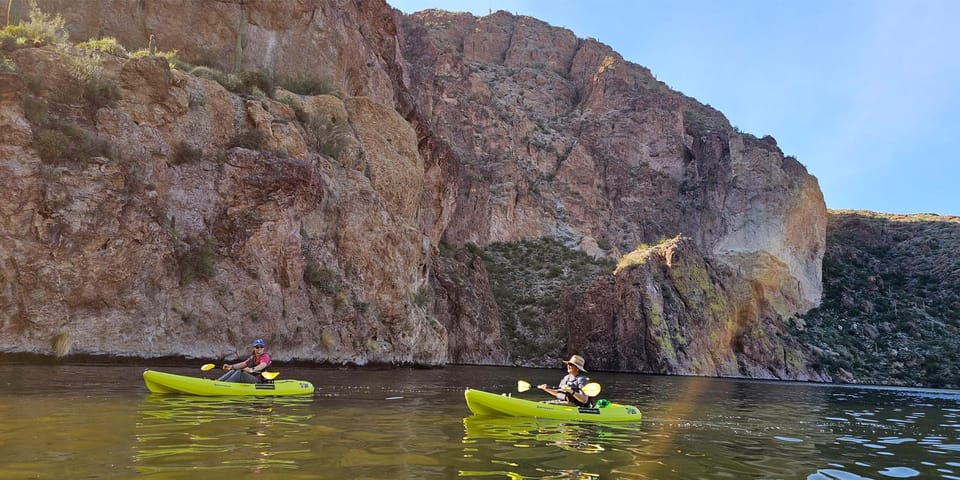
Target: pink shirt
(253,362)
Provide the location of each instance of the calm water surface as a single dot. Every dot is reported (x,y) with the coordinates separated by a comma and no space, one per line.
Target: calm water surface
(99,421)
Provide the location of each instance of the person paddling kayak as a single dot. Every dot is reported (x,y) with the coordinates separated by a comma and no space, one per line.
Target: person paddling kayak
(571,386)
(251,369)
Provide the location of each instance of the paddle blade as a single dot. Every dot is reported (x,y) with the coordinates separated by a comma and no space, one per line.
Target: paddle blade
(592,389)
(270,375)
(522,386)
(207,367)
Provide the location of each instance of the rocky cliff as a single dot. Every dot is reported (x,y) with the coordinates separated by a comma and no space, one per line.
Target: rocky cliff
(891,307)
(205,211)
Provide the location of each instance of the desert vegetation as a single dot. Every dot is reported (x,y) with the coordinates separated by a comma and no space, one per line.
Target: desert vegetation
(891,304)
(528,279)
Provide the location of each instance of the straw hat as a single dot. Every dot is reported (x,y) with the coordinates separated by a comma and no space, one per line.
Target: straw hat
(576,361)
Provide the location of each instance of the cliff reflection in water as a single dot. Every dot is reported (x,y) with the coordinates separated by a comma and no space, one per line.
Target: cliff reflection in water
(99,421)
(175,432)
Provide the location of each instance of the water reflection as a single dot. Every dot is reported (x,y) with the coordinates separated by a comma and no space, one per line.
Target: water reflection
(883,433)
(524,432)
(519,447)
(175,432)
(98,421)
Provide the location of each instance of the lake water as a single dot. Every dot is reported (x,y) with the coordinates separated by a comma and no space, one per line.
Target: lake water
(99,421)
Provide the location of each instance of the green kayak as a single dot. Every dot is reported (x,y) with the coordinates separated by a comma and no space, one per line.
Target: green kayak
(485,403)
(161,382)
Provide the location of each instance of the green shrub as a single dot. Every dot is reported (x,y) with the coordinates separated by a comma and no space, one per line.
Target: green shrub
(321,277)
(308,85)
(422,297)
(446,250)
(251,139)
(43,29)
(92,145)
(260,80)
(228,80)
(62,344)
(60,143)
(297,107)
(53,146)
(13,37)
(206,72)
(36,110)
(184,153)
(101,91)
(196,261)
(331,136)
(94,84)
(170,56)
(340,301)
(104,45)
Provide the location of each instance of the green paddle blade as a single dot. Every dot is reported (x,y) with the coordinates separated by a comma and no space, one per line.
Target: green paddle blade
(270,375)
(522,386)
(207,366)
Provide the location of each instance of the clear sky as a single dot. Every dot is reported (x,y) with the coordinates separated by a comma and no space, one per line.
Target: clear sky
(865,93)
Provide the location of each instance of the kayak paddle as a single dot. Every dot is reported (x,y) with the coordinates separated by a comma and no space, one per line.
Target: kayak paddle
(268,375)
(592,389)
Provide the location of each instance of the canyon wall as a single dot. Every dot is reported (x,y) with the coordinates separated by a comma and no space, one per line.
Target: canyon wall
(450,130)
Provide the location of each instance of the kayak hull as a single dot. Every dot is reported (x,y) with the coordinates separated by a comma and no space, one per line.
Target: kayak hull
(161,382)
(492,404)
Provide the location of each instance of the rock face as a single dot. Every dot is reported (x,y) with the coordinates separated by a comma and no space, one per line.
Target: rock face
(667,310)
(561,137)
(339,40)
(572,141)
(452,129)
(148,254)
(891,308)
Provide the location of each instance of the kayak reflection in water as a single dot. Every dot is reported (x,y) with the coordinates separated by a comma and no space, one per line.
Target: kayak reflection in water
(571,386)
(251,369)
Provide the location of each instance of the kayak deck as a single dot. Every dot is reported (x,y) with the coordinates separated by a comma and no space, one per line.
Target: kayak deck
(485,403)
(161,382)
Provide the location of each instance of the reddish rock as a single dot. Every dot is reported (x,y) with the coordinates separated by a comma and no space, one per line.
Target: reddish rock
(453,128)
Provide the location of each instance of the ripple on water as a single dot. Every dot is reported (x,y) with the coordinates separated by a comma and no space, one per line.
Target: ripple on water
(899,472)
(834,474)
(896,440)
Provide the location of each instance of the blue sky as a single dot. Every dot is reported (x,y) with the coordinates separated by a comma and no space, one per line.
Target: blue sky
(865,93)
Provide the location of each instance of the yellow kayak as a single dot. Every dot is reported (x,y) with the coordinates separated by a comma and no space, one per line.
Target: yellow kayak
(160,382)
(485,403)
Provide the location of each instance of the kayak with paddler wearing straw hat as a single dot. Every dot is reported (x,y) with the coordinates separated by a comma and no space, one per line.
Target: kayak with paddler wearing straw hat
(573,400)
(571,386)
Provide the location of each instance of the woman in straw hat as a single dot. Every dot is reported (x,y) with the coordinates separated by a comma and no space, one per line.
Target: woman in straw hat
(570,389)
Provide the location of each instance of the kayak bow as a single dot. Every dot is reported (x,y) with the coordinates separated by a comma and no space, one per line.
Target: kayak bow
(161,382)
